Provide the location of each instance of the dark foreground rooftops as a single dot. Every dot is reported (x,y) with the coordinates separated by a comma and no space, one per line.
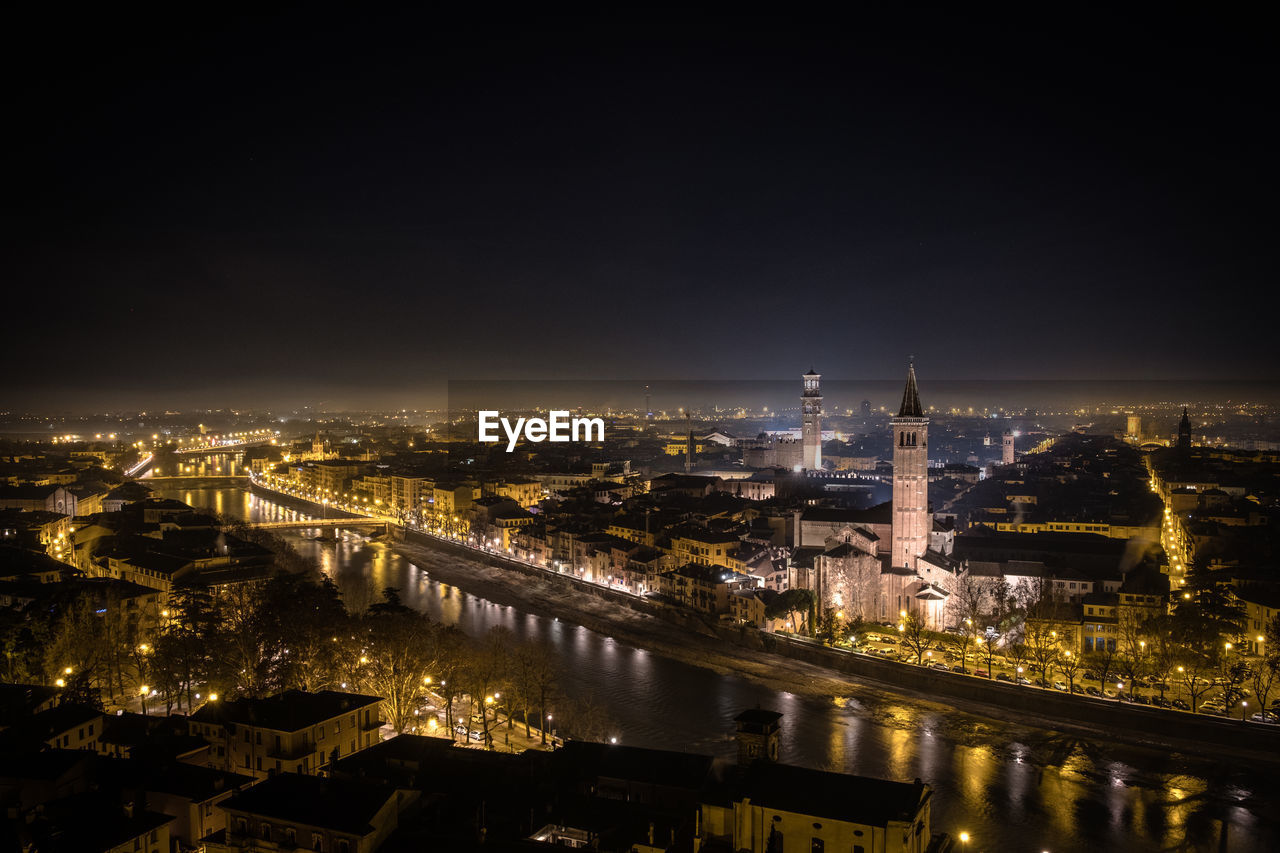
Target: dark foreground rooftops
(835,796)
(343,805)
(290,711)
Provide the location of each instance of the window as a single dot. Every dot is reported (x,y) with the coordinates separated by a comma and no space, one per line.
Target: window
(816,845)
(321,736)
(317,842)
(344,846)
(266,832)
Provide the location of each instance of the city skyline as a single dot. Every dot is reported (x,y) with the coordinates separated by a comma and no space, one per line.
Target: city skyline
(640,430)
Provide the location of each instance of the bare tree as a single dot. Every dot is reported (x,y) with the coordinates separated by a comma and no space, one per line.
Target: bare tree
(1265,675)
(1042,638)
(534,682)
(402,655)
(1196,674)
(1069,663)
(914,635)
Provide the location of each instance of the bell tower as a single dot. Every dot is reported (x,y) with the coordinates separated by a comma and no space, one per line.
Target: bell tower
(911,520)
(1184,431)
(811,422)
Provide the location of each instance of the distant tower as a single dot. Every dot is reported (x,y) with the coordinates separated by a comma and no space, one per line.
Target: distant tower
(648,406)
(866,409)
(757,736)
(911,525)
(811,422)
(1184,431)
(1006,457)
(1133,428)
(688,447)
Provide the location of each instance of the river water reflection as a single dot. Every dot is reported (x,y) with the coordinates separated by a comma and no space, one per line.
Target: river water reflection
(1032,790)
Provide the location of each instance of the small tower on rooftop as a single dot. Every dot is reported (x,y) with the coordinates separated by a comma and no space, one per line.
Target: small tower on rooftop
(758,735)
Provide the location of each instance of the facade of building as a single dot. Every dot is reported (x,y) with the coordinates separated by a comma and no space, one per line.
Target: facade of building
(292,732)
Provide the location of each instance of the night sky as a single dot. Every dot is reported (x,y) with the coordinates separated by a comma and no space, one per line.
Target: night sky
(217,211)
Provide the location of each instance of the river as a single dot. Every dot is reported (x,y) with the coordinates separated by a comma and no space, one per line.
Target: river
(1010,787)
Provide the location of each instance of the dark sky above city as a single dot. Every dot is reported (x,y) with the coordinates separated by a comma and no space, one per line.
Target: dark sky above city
(350,209)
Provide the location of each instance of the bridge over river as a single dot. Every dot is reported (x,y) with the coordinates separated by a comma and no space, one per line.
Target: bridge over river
(363,521)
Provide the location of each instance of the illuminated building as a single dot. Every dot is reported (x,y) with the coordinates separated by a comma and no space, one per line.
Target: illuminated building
(911,520)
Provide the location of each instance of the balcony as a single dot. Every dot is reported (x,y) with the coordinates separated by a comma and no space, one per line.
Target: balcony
(287,752)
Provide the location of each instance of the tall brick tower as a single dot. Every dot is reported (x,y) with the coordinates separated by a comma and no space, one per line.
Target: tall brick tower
(911,521)
(1007,455)
(811,423)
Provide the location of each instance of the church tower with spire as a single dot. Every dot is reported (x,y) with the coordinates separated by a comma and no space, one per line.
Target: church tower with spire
(811,422)
(1184,431)
(911,520)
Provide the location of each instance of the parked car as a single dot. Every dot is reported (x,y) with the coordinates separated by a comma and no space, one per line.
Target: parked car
(1266,717)
(1160,702)
(960,670)
(982,673)
(941,666)
(889,641)
(1093,691)
(1004,676)
(1060,685)
(1139,699)
(1091,675)
(1180,705)
(1076,688)
(1022,680)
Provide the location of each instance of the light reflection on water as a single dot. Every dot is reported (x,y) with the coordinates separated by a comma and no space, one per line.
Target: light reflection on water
(1011,789)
